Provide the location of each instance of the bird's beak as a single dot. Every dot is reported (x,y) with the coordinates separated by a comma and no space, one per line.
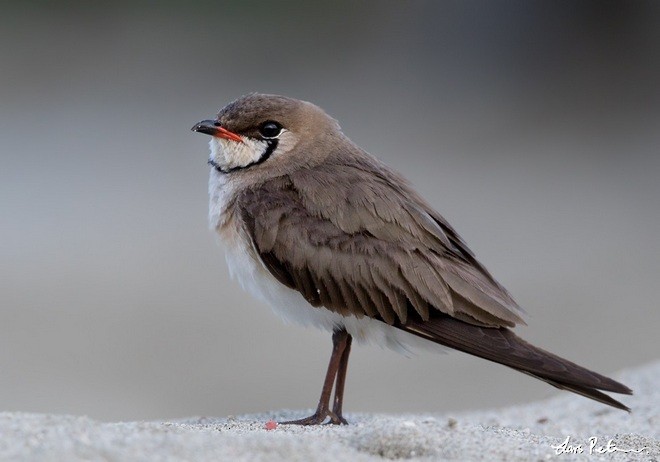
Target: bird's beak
(210,127)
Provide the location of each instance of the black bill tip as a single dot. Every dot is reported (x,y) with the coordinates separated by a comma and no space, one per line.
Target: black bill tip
(208,127)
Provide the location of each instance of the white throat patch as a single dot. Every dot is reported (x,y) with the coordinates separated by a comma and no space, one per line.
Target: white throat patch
(229,155)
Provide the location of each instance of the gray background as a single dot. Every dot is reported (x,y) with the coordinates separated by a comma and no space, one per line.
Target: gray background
(532,126)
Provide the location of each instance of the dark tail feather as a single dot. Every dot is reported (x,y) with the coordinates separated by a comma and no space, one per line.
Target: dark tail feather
(588,392)
(504,347)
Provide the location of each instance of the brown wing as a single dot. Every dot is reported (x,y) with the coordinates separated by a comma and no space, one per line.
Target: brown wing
(502,346)
(353,237)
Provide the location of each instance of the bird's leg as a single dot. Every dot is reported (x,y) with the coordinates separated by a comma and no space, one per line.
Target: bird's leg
(340,339)
(336,417)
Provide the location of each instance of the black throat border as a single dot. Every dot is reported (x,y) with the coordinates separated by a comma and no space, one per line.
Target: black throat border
(271,145)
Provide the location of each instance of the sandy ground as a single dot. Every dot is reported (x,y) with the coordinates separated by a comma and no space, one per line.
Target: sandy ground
(526,432)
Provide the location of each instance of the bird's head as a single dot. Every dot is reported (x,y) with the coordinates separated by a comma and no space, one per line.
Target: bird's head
(257,128)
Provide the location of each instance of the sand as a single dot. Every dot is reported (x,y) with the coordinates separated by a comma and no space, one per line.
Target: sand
(519,433)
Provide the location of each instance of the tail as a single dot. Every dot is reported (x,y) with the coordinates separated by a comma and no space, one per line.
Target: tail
(502,346)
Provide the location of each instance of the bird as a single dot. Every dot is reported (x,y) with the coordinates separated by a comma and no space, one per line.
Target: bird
(331,237)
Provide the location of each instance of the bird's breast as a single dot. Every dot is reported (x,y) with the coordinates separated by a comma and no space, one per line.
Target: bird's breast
(245,265)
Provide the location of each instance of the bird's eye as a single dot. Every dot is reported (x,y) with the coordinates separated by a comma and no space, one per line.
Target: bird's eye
(270,129)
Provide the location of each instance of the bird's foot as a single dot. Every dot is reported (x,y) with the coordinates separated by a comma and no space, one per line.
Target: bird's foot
(336,419)
(318,418)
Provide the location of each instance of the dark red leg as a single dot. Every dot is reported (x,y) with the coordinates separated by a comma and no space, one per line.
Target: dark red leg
(341,342)
(336,417)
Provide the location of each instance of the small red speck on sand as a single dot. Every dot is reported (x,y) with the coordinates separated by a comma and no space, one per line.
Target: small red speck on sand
(270,425)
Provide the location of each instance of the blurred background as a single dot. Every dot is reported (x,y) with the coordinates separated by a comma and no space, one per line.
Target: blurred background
(533,127)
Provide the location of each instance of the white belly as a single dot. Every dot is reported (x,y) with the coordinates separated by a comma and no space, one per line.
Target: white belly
(289,304)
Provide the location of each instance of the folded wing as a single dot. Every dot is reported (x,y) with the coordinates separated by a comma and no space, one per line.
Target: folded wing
(352,238)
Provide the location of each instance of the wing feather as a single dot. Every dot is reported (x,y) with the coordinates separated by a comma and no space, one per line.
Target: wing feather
(502,346)
(354,238)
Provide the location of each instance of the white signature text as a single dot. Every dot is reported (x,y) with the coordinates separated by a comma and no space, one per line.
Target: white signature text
(593,447)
